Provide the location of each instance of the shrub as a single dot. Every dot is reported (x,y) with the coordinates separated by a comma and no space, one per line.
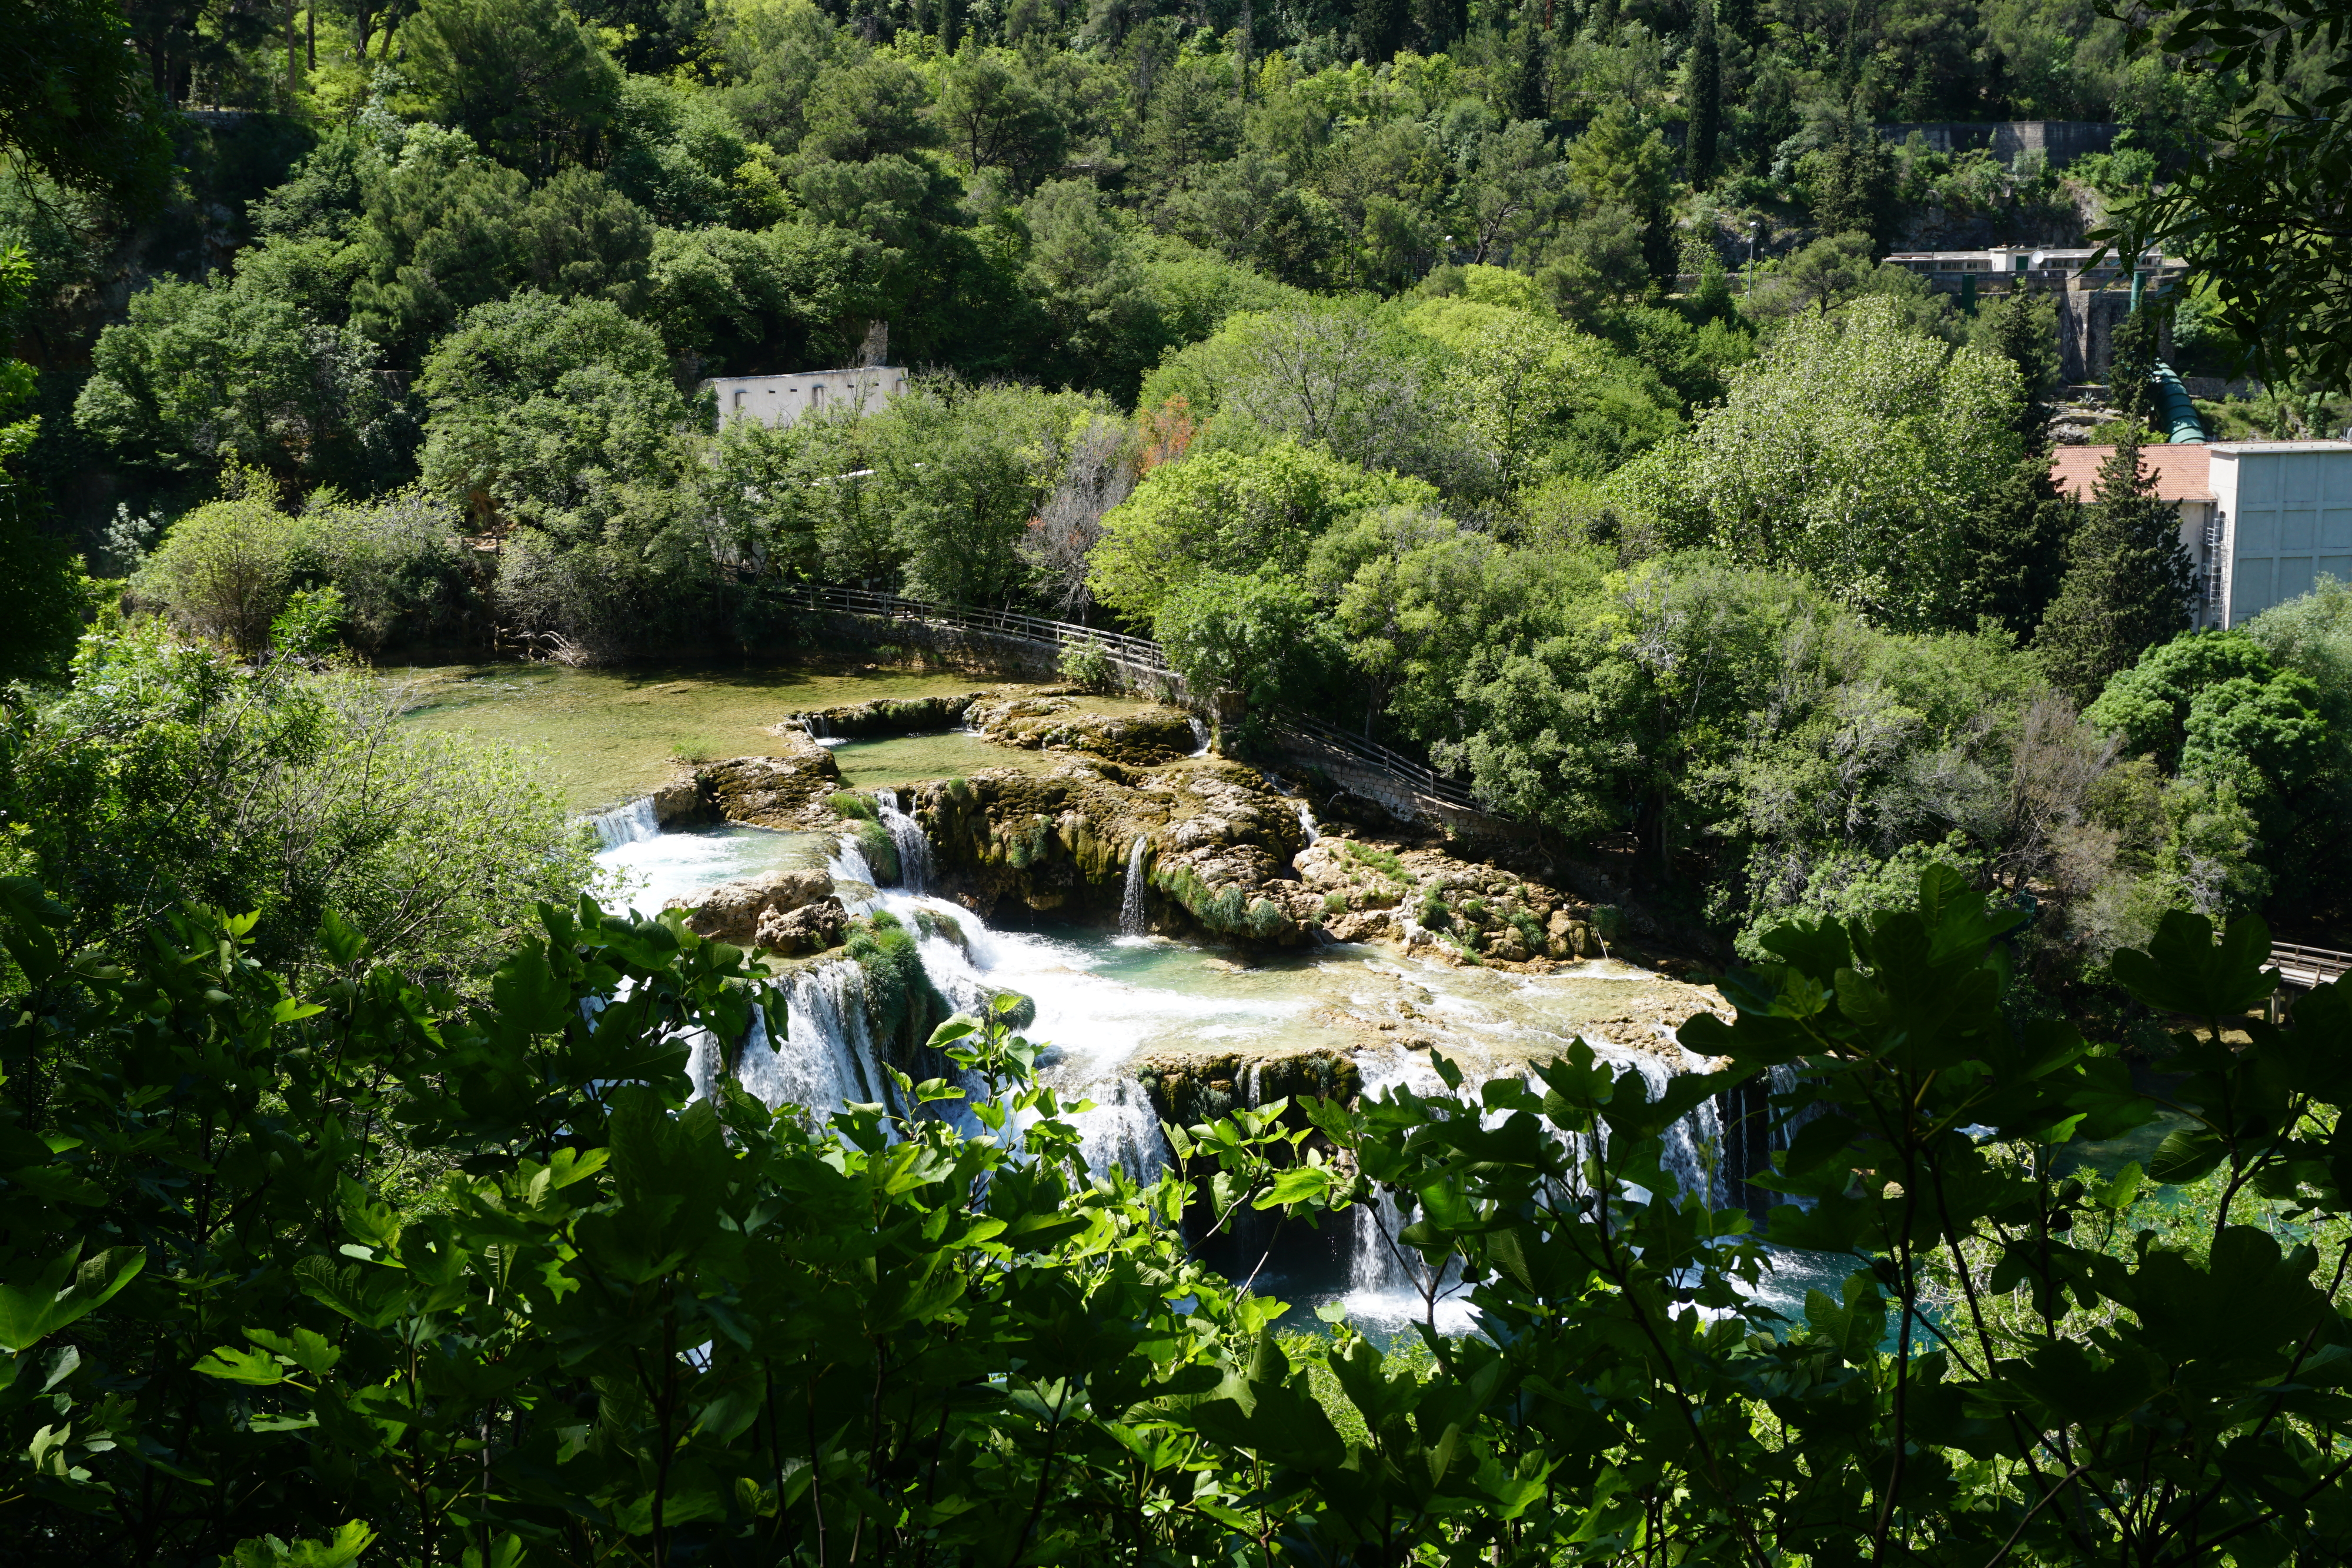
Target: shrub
(850,803)
(1086,665)
(223,569)
(881,850)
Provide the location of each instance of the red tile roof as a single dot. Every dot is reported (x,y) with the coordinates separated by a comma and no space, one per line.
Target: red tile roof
(2178,471)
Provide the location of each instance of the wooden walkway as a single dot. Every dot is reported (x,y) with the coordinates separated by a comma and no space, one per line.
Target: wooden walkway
(2305,967)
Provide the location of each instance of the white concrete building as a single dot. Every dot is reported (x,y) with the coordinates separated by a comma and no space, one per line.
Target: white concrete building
(782,400)
(2286,514)
(2262,520)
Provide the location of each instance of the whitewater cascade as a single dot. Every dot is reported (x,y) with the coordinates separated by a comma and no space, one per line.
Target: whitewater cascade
(1132,918)
(1306,824)
(907,835)
(1692,1157)
(628,824)
(1200,735)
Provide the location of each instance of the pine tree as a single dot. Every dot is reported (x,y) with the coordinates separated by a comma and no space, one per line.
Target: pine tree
(2131,365)
(2127,578)
(2017,540)
(1703,92)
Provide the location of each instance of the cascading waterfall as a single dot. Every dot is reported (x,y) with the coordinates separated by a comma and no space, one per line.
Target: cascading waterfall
(1200,735)
(1133,918)
(1691,1157)
(1306,824)
(629,824)
(1122,1131)
(907,835)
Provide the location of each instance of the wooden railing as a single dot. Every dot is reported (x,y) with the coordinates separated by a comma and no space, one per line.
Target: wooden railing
(1146,657)
(1417,777)
(1138,653)
(2308,967)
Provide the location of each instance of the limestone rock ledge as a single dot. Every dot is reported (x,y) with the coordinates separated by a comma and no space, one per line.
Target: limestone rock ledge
(1053,722)
(788,789)
(787,911)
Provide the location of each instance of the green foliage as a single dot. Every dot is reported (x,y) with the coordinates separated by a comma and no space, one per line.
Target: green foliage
(1851,452)
(852,804)
(1019,1359)
(167,773)
(2127,578)
(73,106)
(520,77)
(41,600)
(234,372)
(899,1000)
(1230,513)
(880,849)
(222,571)
(310,626)
(2254,208)
(1261,635)
(1086,665)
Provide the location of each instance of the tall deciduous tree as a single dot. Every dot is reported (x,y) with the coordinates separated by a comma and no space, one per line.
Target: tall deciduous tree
(2127,578)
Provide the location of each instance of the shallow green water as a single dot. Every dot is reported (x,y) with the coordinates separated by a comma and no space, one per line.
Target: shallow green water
(605,736)
(903,759)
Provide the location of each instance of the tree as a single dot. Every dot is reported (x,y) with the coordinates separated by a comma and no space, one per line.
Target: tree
(1230,512)
(962,472)
(2131,369)
(223,569)
(1852,450)
(72,107)
(1852,182)
(995,120)
(520,77)
(2016,542)
(1259,634)
(2127,578)
(168,774)
(40,594)
(1082,272)
(235,372)
(2264,208)
(537,405)
(1703,94)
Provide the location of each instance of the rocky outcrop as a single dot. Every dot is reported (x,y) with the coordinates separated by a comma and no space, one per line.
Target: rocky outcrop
(1362,890)
(786,912)
(789,790)
(1191,1090)
(1060,723)
(1220,845)
(885,716)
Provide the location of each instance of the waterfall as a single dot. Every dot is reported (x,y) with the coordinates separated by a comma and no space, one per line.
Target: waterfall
(1692,1157)
(1306,824)
(1132,917)
(1200,735)
(913,844)
(1122,1131)
(627,824)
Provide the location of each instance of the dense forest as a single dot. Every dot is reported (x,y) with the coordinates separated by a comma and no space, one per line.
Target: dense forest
(1518,387)
(1521,387)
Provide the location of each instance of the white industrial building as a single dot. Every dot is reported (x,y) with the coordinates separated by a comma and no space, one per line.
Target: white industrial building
(2262,520)
(782,400)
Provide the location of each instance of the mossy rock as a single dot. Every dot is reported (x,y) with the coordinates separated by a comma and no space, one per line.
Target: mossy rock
(891,715)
